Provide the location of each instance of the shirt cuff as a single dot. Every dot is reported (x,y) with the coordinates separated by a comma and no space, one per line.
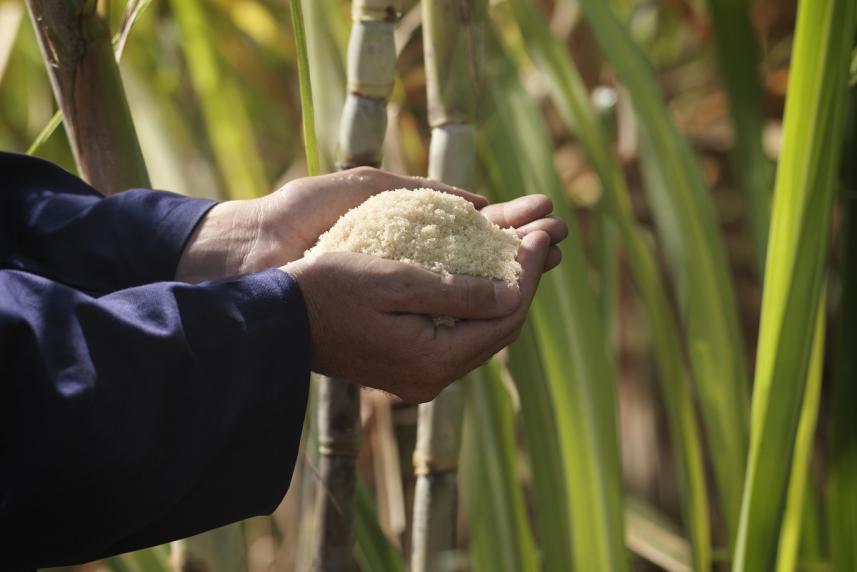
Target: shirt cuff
(160,224)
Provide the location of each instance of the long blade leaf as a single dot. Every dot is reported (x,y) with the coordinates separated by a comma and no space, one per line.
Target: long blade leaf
(738,62)
(799,480)
(569,332)
(542,439)
(326,34)
(570,96)
(498,516)
(842,486)
(685,219)
(307,107)
(373,551)
(814,121)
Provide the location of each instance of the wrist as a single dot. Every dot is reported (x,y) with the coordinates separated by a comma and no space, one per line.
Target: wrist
(226,242)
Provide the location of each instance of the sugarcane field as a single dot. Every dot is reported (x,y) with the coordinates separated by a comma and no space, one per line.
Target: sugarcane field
(428,285)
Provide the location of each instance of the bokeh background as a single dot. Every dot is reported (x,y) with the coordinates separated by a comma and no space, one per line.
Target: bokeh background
(213,89)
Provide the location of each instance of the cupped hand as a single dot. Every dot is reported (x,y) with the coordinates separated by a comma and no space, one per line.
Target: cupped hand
(246,236)
(370,318)
(236,237)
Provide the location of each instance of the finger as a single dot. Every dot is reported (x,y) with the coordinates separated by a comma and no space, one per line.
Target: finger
(554,258)
(518,212)
(410,289)
(553,225)
(532,255)
(474,338)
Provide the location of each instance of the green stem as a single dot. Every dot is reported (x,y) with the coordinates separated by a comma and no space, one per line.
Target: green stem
(307,109)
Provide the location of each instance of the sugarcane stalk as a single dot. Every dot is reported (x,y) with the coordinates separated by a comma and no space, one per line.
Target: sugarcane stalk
(75,42)
(451,46)
(371,65)
(339,443)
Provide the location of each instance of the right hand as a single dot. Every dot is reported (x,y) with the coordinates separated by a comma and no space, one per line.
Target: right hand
(370,318)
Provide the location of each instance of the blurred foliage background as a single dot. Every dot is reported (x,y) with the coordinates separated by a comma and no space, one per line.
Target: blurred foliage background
(622,416)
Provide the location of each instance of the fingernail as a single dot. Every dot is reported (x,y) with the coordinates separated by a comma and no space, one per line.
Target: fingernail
(506,297)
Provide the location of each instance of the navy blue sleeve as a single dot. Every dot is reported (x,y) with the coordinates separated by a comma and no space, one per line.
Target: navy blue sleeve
(53,224)
(145,415)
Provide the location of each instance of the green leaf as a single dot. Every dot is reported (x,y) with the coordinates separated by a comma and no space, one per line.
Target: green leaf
(499,158)
(45,133)
(842,451)
(498,517)
(327,35)
(685,219)
(133,9)
(799,480)
(568,328)
(307,108)
(806,176)
(738,62)
(374,551)
(571,99)
(542,439)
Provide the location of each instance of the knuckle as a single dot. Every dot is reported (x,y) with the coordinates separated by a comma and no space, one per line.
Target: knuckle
(364,171)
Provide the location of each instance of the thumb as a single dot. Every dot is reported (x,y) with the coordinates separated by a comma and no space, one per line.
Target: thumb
(474,342)
(415,290)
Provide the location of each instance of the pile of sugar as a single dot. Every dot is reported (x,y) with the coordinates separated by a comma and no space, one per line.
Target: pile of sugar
(438,231)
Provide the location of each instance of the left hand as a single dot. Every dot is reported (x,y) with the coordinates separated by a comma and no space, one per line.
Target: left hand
(237,237)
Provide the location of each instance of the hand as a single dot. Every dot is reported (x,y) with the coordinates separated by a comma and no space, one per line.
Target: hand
(245,236)
(529,214)
(369,317)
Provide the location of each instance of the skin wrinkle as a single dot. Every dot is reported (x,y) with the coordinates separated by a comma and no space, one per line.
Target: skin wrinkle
(283,228)
(258,227)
